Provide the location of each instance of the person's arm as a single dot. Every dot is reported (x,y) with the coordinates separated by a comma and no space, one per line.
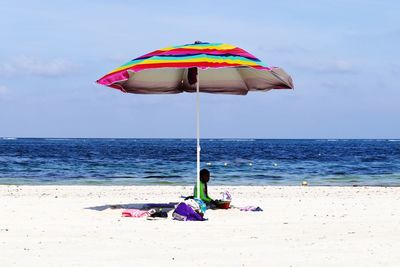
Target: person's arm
(203,195)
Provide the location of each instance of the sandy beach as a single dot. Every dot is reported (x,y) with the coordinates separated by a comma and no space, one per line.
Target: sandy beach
(300,226)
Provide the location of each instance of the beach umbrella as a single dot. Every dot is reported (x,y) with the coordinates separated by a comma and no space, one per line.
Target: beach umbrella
(216,68)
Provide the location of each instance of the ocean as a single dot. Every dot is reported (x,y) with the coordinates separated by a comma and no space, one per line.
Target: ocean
(327,162)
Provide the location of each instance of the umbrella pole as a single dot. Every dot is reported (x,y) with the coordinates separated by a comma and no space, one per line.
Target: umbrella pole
(198,131)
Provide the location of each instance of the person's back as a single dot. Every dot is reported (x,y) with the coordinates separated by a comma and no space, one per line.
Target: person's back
(203,195)
(204,179)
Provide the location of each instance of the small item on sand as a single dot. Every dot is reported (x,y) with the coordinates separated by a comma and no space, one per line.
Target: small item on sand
(221,204)
(251,208)
(304,183)
(135,213)
(160,214)
(226,196)
(225,202)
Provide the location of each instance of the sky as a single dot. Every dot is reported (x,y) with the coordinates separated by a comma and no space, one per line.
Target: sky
(343,57)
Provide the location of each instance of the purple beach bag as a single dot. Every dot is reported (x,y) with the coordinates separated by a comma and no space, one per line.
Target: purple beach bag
(184,212)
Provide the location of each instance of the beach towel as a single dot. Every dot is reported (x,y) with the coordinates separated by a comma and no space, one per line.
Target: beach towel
(202,205)
(184,212)
(135,213)
(193,204)
(251,208)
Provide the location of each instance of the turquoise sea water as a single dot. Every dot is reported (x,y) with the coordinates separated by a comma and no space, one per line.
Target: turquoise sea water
(173,161)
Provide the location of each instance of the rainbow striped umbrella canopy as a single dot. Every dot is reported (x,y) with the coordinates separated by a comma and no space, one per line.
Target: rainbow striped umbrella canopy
(223,68)
(199,67)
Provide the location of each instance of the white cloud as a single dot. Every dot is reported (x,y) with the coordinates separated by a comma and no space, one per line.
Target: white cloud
(24,64)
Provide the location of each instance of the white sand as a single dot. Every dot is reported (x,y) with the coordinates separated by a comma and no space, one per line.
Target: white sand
(300,226)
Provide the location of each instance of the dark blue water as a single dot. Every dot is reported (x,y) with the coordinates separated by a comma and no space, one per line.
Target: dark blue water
(173,161)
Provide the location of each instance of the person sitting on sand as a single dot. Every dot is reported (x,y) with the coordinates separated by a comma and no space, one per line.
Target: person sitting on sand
(204,179)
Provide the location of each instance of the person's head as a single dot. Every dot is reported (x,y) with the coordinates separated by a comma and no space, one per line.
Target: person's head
(204,176)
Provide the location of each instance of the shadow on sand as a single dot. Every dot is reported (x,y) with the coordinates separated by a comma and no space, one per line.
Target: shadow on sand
(141,206)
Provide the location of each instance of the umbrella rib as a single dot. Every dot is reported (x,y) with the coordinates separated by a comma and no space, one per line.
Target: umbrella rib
(244,81)
(279,78)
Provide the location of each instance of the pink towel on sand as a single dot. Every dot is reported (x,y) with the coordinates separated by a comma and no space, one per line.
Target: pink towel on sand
(135,213)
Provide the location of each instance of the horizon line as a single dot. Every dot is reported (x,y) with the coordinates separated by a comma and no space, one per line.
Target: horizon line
(222,138)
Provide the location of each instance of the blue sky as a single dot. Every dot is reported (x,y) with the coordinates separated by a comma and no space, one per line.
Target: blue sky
(343,57)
